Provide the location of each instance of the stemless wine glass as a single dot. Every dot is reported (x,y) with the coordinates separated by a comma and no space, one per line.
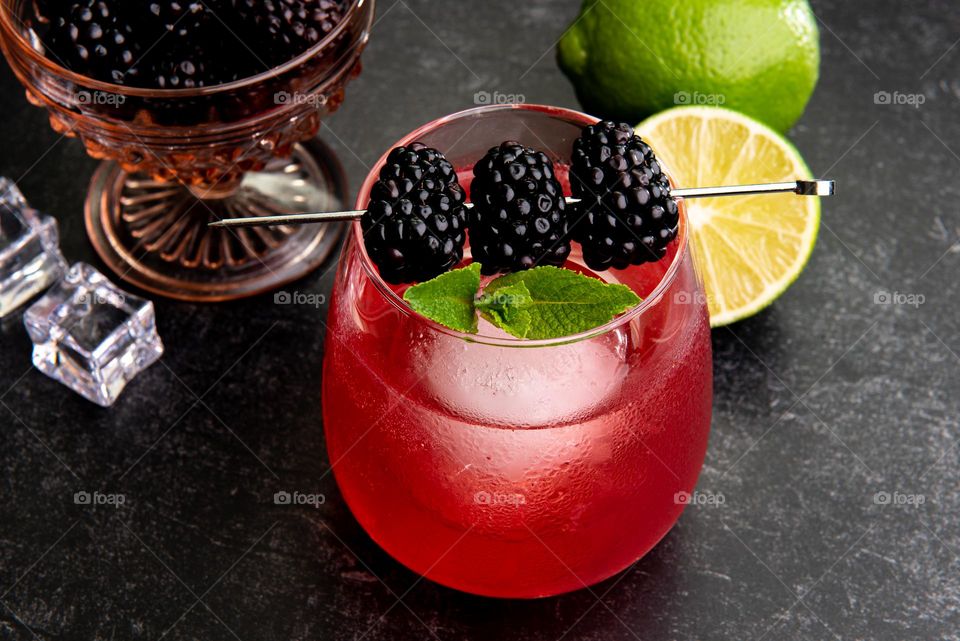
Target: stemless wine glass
(506,467)
(175,159)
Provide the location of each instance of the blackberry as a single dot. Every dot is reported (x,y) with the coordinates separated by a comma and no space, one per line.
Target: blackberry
(519,216)
(90,37)
(414,225)
(181,36)
(184,69)
(162,45)
(179,44)
(290,27)
(176,20)
(626,214)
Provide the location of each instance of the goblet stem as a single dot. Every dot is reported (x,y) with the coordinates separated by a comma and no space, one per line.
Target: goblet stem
(215,191)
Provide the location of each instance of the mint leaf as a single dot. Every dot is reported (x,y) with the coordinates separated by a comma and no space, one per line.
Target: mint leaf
(545,302)
(562,302)
(506,308)
(448,299)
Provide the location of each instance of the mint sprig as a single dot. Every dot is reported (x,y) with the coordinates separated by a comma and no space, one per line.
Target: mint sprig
(539,303)
(449,298)
(565,302)
(508,309)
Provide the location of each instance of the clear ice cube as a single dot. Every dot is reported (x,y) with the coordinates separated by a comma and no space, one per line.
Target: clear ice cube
(30,258)
(92,336)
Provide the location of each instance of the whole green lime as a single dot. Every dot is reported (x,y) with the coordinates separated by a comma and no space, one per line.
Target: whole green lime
(629,59)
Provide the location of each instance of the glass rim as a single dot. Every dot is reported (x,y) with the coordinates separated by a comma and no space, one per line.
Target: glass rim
(387,292)
(9,26)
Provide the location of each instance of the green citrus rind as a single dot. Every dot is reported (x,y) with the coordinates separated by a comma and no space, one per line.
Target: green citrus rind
(629,59)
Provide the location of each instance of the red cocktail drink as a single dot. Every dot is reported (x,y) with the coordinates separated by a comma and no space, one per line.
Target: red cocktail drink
(507,467)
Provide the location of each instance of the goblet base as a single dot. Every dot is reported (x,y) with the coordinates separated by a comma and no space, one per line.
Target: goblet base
(154,234)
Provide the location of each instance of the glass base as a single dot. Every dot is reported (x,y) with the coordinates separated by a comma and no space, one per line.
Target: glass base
(154,234)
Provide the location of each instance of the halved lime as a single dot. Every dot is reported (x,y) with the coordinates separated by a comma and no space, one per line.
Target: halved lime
(749,248)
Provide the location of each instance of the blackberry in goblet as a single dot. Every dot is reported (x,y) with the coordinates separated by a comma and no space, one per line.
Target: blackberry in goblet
(199,111)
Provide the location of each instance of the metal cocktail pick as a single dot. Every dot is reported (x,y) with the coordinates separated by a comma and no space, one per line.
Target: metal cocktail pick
(799,187)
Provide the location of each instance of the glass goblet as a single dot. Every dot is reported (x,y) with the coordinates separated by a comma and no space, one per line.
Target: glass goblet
(175,159)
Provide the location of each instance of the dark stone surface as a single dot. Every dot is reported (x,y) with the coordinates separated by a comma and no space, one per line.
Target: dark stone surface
(822,401)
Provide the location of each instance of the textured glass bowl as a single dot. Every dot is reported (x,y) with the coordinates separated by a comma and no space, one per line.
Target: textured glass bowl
(175,159)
